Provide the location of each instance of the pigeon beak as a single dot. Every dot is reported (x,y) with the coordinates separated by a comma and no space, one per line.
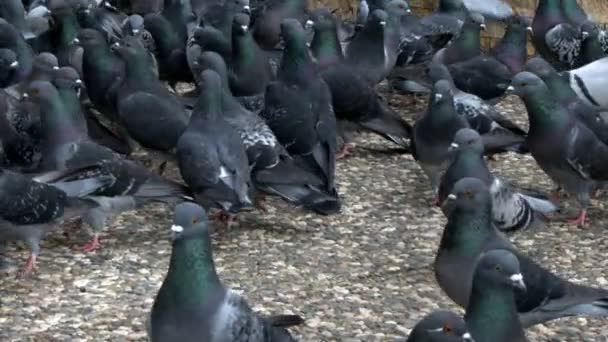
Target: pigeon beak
(529,29)
(78,82)
(585,35)
(510,90)
(483,27)
(24,97)
(76,41)
(115,46)
(244,28)
(466,337)
(438,97)
(55,68)
(135,31)
(247,9)
(383,23)
(14,65)
(309,24)
(452,197)
(176,230)
(453,146)
(408,11)
(518,281)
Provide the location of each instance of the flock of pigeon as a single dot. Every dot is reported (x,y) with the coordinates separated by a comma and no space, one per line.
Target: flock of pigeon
(279,91)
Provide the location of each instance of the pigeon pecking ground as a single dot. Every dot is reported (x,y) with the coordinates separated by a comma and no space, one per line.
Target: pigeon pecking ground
(363,275)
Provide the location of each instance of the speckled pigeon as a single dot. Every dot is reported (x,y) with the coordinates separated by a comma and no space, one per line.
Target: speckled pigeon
(511,210)
(565,149)
(193,304)
(469,233)
(30,210)
(440,326)
(491,314)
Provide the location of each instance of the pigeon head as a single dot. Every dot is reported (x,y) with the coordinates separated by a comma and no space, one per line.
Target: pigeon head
(67,77)
(441,326)
(442,92)
(46,60)
(8,59)
(189,221)
(134,24)
(210,60)
(540,67)
(377,18)
(292,33)
(210,81)
(322,19)
(589,29)
(467,139)
(42,92)
(240,24)
(525,84)
(470,194)
(501,268)
(476,20)
(397,9)
(438,71)
(91,37)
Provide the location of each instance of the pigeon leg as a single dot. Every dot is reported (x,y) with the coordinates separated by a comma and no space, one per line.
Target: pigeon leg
(260,203)
(227,219)
(345,150)
(162,167)
(30,265)
(92,245)
(436,202)
(580,220)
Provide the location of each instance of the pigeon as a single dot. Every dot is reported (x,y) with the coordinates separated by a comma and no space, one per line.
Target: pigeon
(354,100)
(593,117)
(555,39)
(484,76)
(564,148)
(267,26)
(150,113)
(511,210)
(8,67)
(64,35)
(31,24)
(469,233)
(193,304)
(130,186)
(31,209)
(434,132)
(211,156)
(588,82)
(250,70)
(368,53)
(511,50)
(20,150)
(102,17)
(468,43)
(209,38)
(66,144)
(220,15)
(12,39)
(496,280)
(440,326)
(298,108)
(482,116)
(102,72)
(495,9)
(591,48)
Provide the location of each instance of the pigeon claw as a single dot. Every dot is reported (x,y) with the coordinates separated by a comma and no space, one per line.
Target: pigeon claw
(345,151)
(227,219)
(580,220)
(92,245)
(30,265)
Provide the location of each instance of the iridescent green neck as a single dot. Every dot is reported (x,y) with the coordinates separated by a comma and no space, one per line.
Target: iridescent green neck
(244,50)
(467,231)
(192,276)
(543,112)
(69,29)
(58,125)
(326,47)
(491,311)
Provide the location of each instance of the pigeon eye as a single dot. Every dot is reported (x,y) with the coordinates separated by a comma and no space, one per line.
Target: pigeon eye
(498,268)
(447,330)
(194,221)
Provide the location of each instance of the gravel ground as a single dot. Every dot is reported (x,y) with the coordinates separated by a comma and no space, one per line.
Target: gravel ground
(364,275)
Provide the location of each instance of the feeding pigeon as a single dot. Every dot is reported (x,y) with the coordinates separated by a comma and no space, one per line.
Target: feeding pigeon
(511,210)
(470,232)
(193,304)
(564,148)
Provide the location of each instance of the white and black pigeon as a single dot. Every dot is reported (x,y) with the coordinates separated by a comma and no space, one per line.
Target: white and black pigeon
(589,82)
(193,305)
(564,148)
(469,233)
(29,209)
(511,210)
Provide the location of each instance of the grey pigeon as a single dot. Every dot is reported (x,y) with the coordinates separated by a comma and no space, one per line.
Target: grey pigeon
(482,116)
(11,38)
(554,38)
(511,210)
(354,100)
(129,186)
(31,209)
(434,133)
(211,156)
(298,108)
(595,118)
(193,304)
(512,49)
(440,326)
(8,67)
(469,233)
(496,279)
(267,26)
(468,43)
(589,83)
(564,148)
